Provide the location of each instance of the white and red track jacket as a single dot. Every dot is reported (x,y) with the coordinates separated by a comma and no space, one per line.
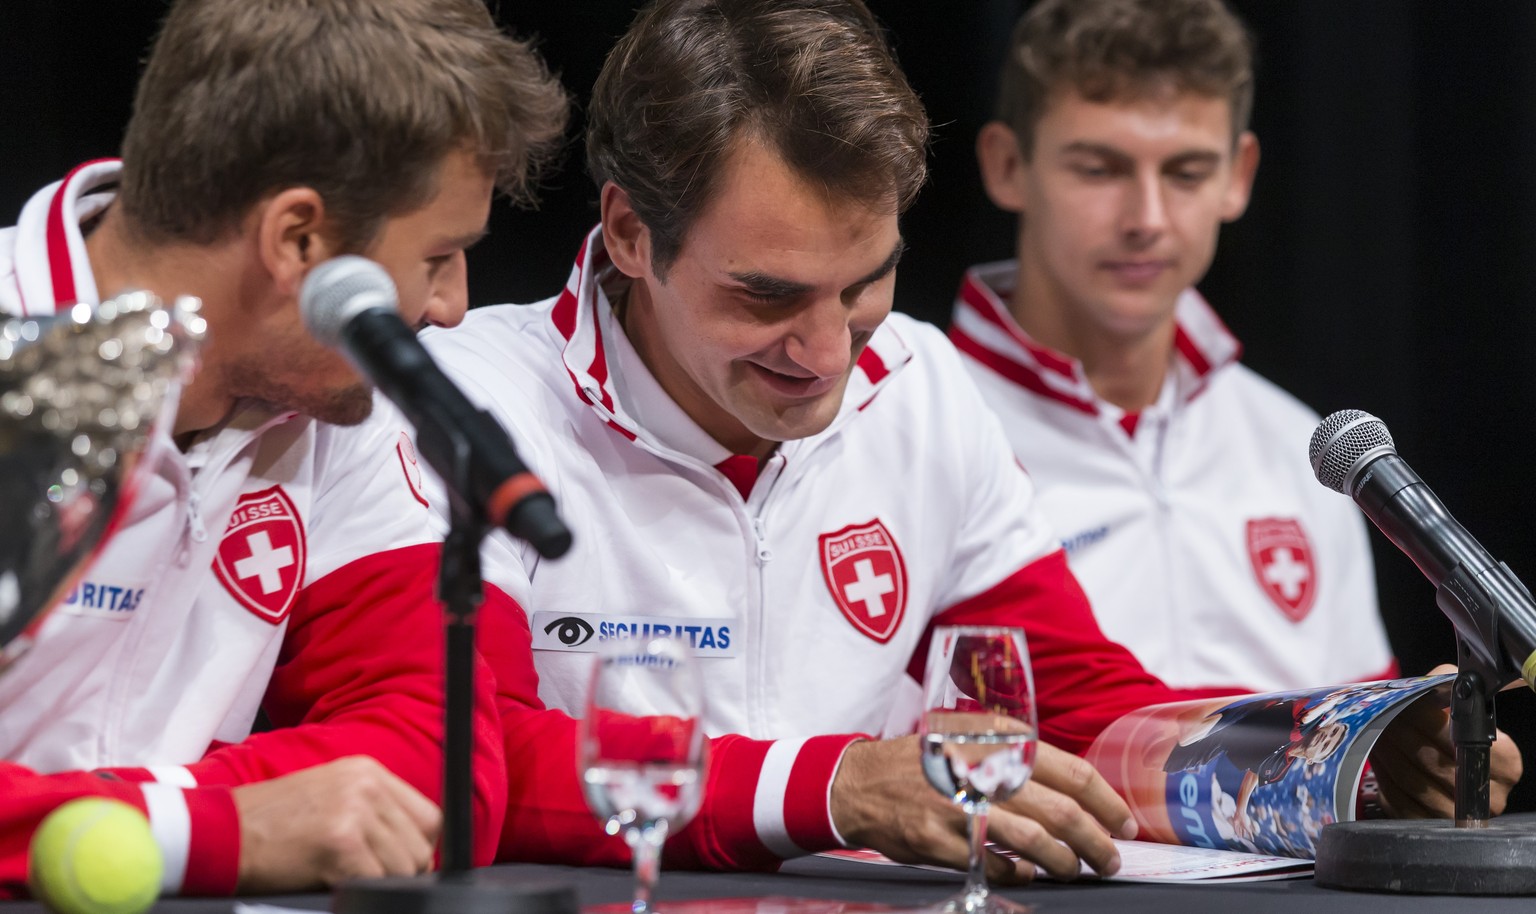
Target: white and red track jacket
(806,589)
(1205,543)
(280,564)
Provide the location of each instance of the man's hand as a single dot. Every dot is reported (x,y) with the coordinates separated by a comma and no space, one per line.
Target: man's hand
(345,819)
(1415,763)
(1064,814)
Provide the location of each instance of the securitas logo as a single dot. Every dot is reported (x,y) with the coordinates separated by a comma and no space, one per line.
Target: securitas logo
(1079,541)
(585,632)
(103,600)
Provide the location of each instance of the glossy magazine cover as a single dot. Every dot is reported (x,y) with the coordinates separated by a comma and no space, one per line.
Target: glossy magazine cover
(1256,773)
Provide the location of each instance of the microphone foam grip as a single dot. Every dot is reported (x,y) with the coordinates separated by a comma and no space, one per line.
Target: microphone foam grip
(338,290)
(1342,442)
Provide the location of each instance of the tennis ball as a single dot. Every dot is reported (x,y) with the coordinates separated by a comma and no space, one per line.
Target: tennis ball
(95,856)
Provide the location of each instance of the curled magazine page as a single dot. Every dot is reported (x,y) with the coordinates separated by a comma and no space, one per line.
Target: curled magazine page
(1260,774)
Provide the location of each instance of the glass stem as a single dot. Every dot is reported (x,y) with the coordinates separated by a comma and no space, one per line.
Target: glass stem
(976,878)
(645,843)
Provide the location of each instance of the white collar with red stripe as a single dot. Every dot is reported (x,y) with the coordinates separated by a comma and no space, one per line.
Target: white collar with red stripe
(600,361)
(52,270)
(984,329)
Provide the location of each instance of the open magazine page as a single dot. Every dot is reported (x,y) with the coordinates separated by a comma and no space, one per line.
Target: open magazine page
(1256,773)
(1142,861)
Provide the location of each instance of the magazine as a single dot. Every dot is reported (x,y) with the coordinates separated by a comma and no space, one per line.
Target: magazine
(1239,788)
(1259,774)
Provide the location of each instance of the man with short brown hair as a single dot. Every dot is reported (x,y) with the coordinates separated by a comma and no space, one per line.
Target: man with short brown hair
(757,455)
(1177,477)
(275,561)
(762,460)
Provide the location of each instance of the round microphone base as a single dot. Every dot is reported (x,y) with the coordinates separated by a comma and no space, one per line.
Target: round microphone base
(475,892)
(1430,857)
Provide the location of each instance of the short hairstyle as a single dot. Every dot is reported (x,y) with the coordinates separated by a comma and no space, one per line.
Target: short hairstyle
(1119,49)
(360,100)
(812,79)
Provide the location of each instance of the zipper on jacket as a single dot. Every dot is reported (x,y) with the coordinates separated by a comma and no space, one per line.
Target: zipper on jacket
(195,531)
(764,552)
(195,526)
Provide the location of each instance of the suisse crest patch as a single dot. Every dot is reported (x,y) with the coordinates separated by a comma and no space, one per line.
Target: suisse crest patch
(405,449)
(261,558)
(1283,564)
(867,577)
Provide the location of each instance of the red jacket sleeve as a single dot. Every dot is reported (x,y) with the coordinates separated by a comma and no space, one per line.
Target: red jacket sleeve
(361,673)
(1083,681)
(195,828)
(738,827)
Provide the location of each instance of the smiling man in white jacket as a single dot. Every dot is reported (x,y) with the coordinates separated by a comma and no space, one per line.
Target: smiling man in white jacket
(276,559)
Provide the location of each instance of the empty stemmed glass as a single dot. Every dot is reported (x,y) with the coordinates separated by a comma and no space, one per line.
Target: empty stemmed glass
(978,736)
(642,748)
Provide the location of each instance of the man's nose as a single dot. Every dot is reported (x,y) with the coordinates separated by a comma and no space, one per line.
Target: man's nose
(450,294)
(1145,212)
(823,341)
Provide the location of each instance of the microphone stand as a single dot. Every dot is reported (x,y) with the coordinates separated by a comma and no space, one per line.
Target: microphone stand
(1476,854)
(458,887)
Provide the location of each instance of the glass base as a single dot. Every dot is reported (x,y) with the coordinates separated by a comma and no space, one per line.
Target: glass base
(988,903)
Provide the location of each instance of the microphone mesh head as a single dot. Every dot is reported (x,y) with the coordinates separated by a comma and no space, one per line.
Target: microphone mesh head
(1341,443)
(338,290)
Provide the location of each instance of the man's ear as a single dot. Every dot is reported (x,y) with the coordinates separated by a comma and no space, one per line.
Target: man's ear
(626,237)
(1245,164)
(1002,166)
(290,237)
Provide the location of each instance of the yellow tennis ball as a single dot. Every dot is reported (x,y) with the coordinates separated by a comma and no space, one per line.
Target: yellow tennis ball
(95,856)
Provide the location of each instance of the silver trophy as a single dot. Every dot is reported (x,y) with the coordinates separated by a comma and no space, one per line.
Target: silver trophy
(81,395)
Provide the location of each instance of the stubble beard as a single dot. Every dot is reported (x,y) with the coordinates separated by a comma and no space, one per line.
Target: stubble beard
(349,405)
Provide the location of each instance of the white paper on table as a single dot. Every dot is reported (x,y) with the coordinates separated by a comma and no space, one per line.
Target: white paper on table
(1145,861)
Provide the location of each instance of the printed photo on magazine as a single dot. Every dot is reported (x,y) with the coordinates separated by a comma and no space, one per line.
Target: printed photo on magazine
(1239,788)
(1259,774)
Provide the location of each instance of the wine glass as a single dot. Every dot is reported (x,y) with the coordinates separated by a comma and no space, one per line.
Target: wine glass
(641,751)
(978,736)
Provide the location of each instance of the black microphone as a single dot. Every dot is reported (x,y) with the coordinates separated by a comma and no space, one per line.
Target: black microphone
(1352,452)
(350,303)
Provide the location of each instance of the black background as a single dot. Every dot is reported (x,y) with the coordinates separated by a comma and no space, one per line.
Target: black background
(1387,263)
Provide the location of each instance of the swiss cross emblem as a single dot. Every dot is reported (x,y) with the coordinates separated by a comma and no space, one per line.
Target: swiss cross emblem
(406,451)
(261,558)
(1283,564)
(864,571)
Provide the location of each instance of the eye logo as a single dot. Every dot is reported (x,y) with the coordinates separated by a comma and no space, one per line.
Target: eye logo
(572,632)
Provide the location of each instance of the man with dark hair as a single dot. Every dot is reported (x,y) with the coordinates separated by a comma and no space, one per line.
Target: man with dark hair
(1177,476)
(274,561)
(757,456)
(761,460)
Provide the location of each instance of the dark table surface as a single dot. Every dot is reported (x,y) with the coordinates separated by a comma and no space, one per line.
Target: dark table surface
(837,880)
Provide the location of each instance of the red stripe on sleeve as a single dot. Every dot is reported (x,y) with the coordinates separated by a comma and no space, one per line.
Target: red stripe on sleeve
(807,815)
(213,860)
(723,833)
